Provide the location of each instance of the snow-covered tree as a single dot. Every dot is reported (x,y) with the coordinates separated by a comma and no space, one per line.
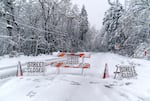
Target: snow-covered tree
(91,37)
(111,25)
(135,25)
(8,23)
(84,27)
(83,23)
(41,26)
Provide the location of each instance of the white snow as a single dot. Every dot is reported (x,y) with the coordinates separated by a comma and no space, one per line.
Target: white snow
(69,85)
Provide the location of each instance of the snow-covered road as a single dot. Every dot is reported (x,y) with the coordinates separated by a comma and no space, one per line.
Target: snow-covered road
(67,88)
(75,87)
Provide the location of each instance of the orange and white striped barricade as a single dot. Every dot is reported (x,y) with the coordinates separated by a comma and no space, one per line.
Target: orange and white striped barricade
(73,60)
(58,65)
(61,54)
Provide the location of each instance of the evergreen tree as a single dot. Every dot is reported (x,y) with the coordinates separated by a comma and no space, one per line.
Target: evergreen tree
(84,27)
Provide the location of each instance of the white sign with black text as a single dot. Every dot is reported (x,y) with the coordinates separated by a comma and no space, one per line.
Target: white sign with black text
(123,71)
(35,68)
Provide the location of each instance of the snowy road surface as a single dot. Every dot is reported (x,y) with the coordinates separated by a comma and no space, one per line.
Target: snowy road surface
(68,88)
(75,87)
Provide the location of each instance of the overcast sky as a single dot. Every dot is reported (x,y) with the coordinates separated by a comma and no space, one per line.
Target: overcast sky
(95,9)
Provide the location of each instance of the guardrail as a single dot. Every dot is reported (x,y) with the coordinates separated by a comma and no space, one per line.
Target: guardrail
(10,67)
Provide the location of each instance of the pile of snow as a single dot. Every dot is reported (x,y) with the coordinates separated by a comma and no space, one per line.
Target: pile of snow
(76,87)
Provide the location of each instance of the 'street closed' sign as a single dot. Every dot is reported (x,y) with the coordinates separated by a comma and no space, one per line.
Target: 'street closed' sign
(35,68)
(125,72)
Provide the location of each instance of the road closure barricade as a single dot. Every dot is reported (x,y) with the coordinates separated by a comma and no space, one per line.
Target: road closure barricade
(71,60)
(63,61)
(39,68)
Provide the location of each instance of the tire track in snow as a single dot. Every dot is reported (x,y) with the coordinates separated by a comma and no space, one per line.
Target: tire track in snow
(126,94)
(114,94)
(140,97)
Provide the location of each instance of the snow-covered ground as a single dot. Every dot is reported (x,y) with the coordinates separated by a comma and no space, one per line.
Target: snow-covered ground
(69,85)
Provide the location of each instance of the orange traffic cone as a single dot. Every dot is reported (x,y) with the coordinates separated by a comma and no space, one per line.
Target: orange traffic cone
(105,75)
(19,70)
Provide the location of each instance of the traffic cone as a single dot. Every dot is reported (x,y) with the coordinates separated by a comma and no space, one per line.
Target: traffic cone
(19,70)
(105,75)
(145,53)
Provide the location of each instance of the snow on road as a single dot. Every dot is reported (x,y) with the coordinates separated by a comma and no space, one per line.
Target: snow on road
(75,87)
(61,88)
